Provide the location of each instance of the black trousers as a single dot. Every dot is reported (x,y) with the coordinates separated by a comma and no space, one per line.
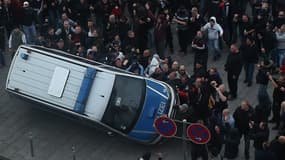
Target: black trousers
(183,40)
(169,39)
(276,107)
(2,59)
(246,143)
(2,38)
(199,151)
(233,83)
(201,57)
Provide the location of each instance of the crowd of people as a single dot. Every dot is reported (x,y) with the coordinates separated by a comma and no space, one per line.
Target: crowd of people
(136,35)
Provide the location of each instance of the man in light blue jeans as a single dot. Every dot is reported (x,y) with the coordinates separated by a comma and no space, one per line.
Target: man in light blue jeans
(280,36)
(215,31)
(31,33)
(29,23)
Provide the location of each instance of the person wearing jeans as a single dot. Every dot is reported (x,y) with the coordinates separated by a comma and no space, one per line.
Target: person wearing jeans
(181,17)
(280,36)
(250,54)
(215,31)
(29,23)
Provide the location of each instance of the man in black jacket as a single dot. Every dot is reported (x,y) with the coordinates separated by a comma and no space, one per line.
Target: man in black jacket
(277,147)
(259,132)
(244,115)
(250,58)
(278,97)
(29,23)
(199,99)
(233,67)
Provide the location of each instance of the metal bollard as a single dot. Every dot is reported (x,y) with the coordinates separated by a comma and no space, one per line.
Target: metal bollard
(73,153)
(184,143)
(31,144)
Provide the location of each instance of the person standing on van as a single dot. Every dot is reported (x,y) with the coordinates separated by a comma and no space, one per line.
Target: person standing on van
(17,37)
(214,31)
(29,23)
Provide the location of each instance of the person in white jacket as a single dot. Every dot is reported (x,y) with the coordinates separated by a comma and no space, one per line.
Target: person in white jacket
(214,31)
(16,38)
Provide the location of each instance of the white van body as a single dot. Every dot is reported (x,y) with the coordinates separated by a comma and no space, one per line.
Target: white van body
(84,88)
(33,78)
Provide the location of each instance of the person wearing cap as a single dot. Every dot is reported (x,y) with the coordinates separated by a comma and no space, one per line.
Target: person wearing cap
(29,23)
(215,31)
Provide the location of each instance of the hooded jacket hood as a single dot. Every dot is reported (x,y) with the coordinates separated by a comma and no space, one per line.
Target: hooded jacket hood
(213,19)
(214,31)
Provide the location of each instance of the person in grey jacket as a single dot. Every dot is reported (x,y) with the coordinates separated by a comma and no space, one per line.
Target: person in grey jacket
(280,36)
(214,31)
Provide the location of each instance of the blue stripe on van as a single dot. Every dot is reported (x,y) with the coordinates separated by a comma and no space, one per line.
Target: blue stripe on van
(144,128)
(85,88)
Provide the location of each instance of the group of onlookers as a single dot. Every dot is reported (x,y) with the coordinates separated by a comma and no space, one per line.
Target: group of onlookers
(137,35)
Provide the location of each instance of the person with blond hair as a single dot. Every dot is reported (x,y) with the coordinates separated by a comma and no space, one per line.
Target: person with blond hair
(228,119)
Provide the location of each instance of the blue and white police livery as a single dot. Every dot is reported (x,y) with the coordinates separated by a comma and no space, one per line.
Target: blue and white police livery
(121,102)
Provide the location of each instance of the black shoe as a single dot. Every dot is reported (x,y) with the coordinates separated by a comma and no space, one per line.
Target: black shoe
(275,127)
(246,156)
(231,97)
(249,84)
(245,81)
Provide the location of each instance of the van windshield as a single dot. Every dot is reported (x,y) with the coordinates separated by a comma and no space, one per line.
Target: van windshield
(125,103)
